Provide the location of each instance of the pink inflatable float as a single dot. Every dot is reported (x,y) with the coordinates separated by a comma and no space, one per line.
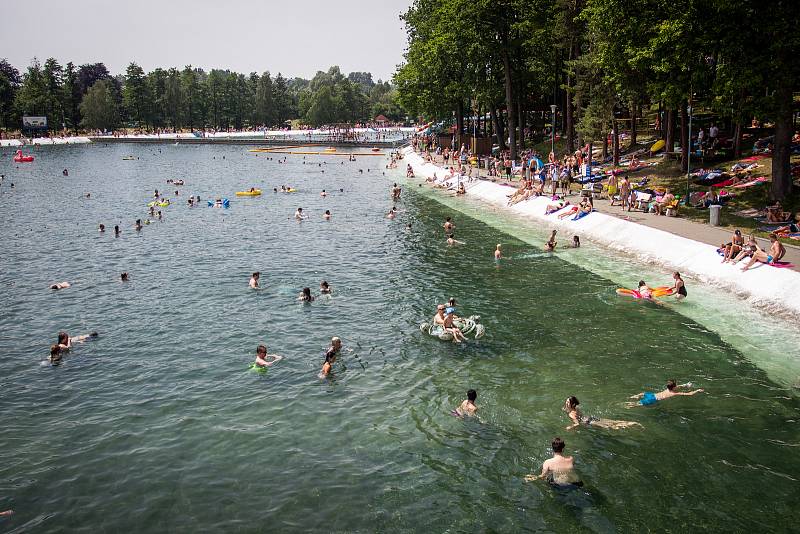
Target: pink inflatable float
(20,158)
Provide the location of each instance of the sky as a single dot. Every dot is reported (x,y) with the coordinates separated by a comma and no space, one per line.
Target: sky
(296,38)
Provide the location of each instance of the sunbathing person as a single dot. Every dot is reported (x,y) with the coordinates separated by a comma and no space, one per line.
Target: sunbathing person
(747,250)
(552,208)
(666,201)
(732,248)
(776,252)
(775,213)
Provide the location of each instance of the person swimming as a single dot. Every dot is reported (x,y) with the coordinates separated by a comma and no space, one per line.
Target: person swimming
(324,288)
(60,285)
(550,246)
(578,419)
(305,295)
(558,470)
(647,398)
(102,228)
(327,215)
(123,277)
(56,354)
(254,280)
(330,356)
(261,358)
(299,215)
(498,254)
(576,242)
(467,407)
(392,213)
(451,240)
(65,341)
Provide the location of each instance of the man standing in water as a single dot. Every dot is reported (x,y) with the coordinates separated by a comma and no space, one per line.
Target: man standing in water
(558,470)
(299,215)
(254,280)
(396,193)
(448,226)
(648,399)
(468,406)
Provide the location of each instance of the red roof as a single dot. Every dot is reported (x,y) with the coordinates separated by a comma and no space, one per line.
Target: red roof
(381,118)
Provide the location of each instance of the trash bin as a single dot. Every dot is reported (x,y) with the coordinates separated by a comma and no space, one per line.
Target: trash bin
(713,214)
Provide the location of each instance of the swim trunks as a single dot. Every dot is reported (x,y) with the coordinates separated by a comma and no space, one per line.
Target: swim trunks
(769,259)
(649,399)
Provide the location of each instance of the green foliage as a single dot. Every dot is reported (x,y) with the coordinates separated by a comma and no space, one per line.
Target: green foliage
(99,107)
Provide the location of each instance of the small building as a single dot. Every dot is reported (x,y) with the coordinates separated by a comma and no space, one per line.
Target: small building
(382,120)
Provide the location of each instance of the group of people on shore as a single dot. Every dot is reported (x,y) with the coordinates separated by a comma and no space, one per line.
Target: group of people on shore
(737,250)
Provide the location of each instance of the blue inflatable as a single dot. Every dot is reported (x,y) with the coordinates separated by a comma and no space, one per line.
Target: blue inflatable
(225,203)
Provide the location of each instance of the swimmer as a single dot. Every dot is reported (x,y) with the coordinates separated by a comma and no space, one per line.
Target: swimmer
(299,215)
(392,213)
(275,189)
(65,172)
(498,253)
(647,398)
(408,227)
(261,357)
(55,354)
(116,231)
(327,215)
(550,246)
(323,194)
(60,285)
(102,228)
(576,242)
(65,341)
(558,470)
(254,280)
(330,356)
(679,289)
(305,295)
(448,226)
(123,277)
(468,406)
(451,240)
(578,419)
(138,225)
(325,288)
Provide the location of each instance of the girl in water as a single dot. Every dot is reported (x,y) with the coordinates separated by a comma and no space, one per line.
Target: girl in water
(679,289)
(305,295)
(578,419)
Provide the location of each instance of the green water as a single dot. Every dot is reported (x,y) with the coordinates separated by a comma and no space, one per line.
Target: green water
(159,426)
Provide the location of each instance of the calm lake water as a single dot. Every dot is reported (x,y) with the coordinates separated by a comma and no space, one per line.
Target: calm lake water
(159,426)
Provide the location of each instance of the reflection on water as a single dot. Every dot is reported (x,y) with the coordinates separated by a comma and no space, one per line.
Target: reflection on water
(160,421)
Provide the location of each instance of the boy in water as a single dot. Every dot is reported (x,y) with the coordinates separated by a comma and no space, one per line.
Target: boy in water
(468,406)
(558,470)
(497,253)
(648,399)
(261,357)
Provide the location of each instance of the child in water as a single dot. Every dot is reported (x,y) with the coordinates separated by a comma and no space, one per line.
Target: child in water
(468,406)
(261,358)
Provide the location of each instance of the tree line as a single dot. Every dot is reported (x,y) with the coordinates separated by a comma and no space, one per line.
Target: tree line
(89,97)
(606,63)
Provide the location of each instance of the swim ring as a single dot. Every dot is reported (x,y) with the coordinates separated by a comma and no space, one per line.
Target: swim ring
(225,203)
(248,193)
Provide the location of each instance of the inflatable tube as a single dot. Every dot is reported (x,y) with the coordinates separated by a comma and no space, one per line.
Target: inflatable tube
(658,146)
(225,203)
(248,193)
(258,369)
(661,291)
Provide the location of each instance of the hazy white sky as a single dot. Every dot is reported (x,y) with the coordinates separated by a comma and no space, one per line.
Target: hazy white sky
(297,38)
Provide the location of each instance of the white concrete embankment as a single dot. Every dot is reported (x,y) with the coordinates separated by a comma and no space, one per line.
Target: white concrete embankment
(775,290)
(45,141)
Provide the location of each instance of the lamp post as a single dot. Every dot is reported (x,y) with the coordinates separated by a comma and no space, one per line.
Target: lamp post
(689,149)
(553,129)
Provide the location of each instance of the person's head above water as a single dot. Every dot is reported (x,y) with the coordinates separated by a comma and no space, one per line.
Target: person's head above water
(261,350)
(641,283)
(256,275)
(671,384)
(558,445)
(63,338)
(336,342)
(124,277)
(472,395)
(571,403)
(324,285)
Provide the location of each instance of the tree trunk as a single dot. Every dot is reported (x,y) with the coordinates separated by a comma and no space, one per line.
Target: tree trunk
(615,139)
(633,124)
(459,123)
(737,139)
(781,152)
(520,121)
(498,128)
(605,146)
(512,133)
(569,114)
(684,137)
(669,129)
